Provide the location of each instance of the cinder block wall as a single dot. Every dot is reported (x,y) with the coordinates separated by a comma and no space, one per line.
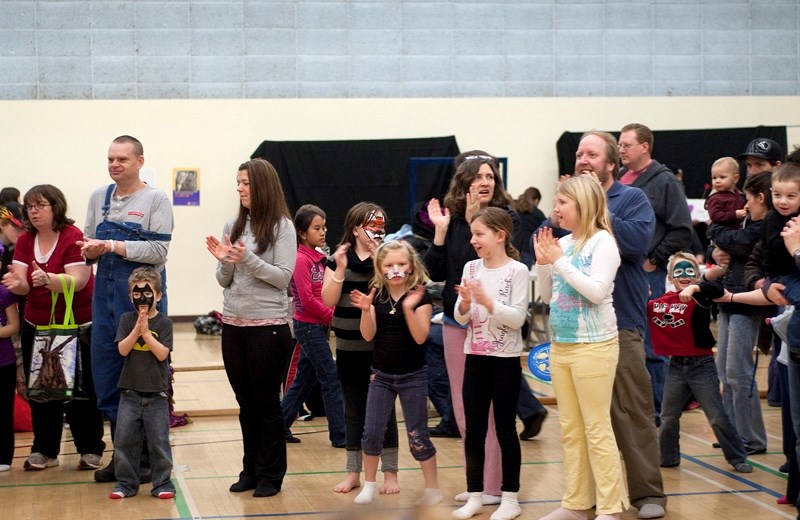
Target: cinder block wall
(341,49)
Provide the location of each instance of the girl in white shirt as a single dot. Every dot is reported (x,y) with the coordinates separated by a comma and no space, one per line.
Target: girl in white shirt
(576,276)
(493,300)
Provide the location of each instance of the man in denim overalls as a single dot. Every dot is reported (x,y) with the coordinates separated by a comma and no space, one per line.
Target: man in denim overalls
(128,225)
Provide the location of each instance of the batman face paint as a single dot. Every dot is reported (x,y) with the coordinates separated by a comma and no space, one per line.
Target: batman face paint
(143,296)
(375,227)
(396,271)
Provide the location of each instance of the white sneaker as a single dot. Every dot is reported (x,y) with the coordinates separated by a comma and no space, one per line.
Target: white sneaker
(4,467)
(89,461)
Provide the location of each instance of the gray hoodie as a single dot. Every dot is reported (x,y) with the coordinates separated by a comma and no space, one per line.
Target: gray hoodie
(255,288)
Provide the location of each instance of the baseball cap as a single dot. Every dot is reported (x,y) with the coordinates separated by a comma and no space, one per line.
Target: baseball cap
(763,148)
(12,211)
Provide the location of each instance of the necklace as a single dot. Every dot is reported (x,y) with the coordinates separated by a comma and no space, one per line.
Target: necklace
(393,304)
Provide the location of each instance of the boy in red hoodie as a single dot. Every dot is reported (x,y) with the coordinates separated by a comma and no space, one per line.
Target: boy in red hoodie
(679,328)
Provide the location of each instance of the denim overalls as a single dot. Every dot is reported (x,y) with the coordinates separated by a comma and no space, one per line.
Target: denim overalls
(111,300)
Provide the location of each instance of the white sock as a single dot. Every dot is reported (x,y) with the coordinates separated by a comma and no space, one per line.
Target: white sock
(487,500)
(473,507)
(430,497)
(367,492)
(509,507)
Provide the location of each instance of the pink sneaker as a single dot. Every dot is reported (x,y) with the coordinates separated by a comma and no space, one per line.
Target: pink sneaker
(782,500)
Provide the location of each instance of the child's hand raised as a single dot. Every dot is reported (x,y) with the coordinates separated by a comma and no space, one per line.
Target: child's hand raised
(362,301)
(340,256)
(479,295)
(142,323)
(413,297)
(464,292)
(546,247)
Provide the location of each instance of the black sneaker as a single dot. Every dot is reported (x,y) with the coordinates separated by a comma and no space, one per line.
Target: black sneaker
(756,451)
(243,484)
(291,439)
(532,425)
(265,490)
(438,431)
(106,474)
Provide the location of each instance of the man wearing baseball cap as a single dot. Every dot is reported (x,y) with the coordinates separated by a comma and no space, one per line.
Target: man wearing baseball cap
(762,155)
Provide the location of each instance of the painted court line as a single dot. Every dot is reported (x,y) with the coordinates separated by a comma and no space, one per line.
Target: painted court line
(745,496)
(184,501)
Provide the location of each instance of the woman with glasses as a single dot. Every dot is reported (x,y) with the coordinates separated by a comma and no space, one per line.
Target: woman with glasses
(45,254)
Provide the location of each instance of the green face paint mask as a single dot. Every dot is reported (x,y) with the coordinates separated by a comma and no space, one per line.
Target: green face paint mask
(684,269)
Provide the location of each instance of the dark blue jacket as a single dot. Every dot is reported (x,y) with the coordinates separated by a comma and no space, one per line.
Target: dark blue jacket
(633,222)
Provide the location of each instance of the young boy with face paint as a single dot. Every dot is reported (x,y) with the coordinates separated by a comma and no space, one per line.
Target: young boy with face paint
(144,338)
(679,328)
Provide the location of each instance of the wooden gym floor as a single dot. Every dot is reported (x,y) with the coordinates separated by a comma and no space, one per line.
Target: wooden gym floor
(207,455)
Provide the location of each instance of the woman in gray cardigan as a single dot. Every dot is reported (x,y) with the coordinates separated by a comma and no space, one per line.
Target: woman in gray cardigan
(256,257)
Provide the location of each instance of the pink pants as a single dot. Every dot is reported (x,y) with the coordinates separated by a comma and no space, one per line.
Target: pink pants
(454,359)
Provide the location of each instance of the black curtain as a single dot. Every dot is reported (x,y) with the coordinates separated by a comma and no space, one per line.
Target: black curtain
(335,175)
(693,151)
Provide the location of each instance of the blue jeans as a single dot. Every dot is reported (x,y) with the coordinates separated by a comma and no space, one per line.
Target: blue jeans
(695,375)
(355,369)
(656,365)
(316,363)
(438,382)
(142,414)
(412,389)
(736,371)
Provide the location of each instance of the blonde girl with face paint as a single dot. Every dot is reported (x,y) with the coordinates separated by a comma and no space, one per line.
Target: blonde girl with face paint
(396,317)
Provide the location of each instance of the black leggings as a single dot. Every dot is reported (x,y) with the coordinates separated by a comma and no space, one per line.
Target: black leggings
(491,380)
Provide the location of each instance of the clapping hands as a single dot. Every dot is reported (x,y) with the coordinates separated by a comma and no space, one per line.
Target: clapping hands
(226,251)
(546,247)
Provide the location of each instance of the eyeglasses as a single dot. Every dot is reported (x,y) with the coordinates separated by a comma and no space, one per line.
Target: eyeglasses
(480,157)
(39,206)
(628,146)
